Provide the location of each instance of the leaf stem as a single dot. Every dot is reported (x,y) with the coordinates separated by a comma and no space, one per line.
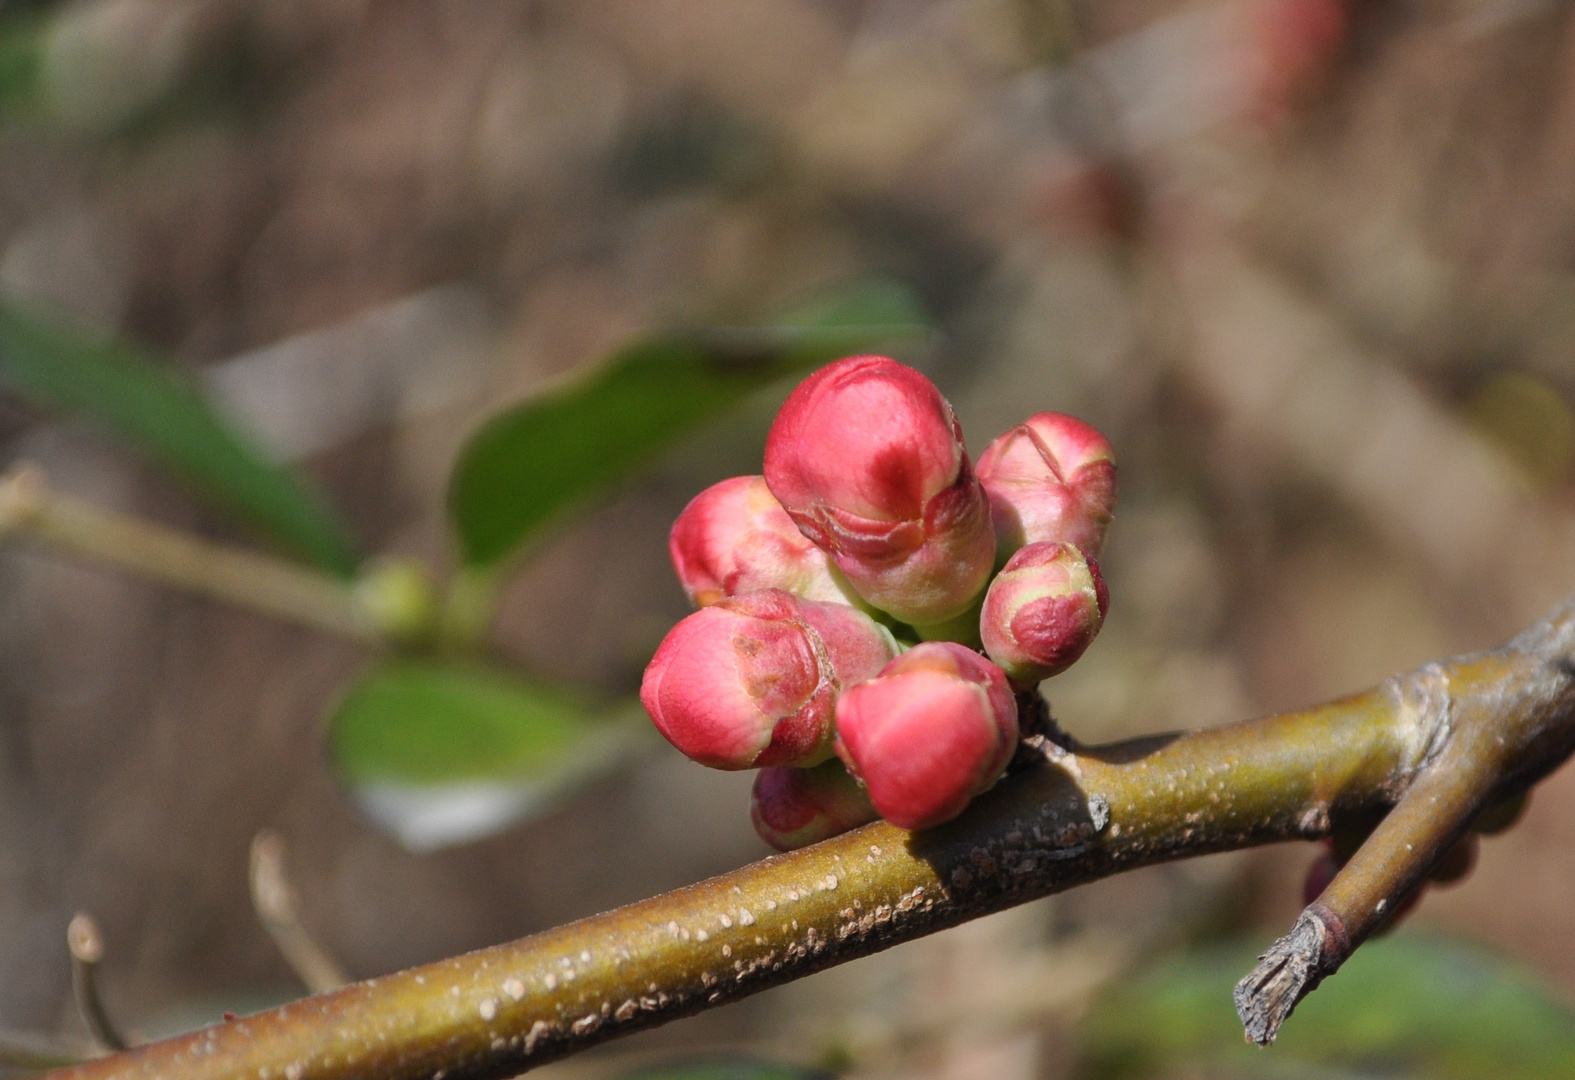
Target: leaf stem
(28,508)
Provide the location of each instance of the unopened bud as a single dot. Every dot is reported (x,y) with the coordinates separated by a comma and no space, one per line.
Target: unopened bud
(399,600)
(1052,477)
(934,729)
(792,808)
(752,680)
(1287,51)
(1319,874)
(734,537)
(1043,609)
(868,459)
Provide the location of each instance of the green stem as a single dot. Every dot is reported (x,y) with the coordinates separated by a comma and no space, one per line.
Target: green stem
(157,553)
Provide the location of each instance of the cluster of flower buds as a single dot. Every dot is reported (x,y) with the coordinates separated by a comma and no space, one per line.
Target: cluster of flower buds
(844,595)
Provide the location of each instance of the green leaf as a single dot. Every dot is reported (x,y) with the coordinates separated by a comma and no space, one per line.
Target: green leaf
(21,51)
(151,407)
(440,754)
(1402,1006)
(530,465)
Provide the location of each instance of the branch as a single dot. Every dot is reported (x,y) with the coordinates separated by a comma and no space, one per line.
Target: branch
(28,508)
(1490,730)
(1489,724)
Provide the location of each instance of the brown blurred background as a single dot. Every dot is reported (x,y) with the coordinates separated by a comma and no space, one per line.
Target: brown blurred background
(1307,263)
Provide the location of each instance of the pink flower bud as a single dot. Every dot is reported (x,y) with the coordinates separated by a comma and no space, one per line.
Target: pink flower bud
(1052,477)
(734,537)
(1319,875)
(931,731)
(868,459)
(1043,609)
(752,680)
(795,807)
(1287,52)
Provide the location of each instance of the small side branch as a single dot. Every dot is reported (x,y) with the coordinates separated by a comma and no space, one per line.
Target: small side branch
(278,909)
(87,949)
(1291,969)
(1485,728)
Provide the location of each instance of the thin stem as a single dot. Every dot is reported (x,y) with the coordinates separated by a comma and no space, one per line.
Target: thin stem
(28,508)
(87,949)
(277,906)
(1070,818)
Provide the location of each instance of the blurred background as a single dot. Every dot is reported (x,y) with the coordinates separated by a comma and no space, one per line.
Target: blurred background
(1307,263)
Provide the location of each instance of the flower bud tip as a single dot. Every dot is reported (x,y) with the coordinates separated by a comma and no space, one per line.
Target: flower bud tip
(1042,611)
(868,460)
(932,730)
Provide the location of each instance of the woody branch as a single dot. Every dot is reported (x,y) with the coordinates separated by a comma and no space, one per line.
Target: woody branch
(1438,744)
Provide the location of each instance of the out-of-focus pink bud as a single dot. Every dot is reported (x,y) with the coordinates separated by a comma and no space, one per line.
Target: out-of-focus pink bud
(1042,611)
(795,807)
(867,458)
(1052,477)
(734,537)
(752,680)
(1319,875)
(1085,200)
(934,729)
(1290,48)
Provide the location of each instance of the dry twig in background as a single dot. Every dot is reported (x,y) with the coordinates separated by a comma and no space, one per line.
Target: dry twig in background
(87,949)
(277,906)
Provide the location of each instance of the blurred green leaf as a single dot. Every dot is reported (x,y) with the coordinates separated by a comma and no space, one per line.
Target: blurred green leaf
(529,465)
(428,723)
(150,406)
(1402,1006)
(441,754)
(21,50)
(722,1068)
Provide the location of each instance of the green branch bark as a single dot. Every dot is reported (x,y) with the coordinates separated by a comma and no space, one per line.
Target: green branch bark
(1459,735)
